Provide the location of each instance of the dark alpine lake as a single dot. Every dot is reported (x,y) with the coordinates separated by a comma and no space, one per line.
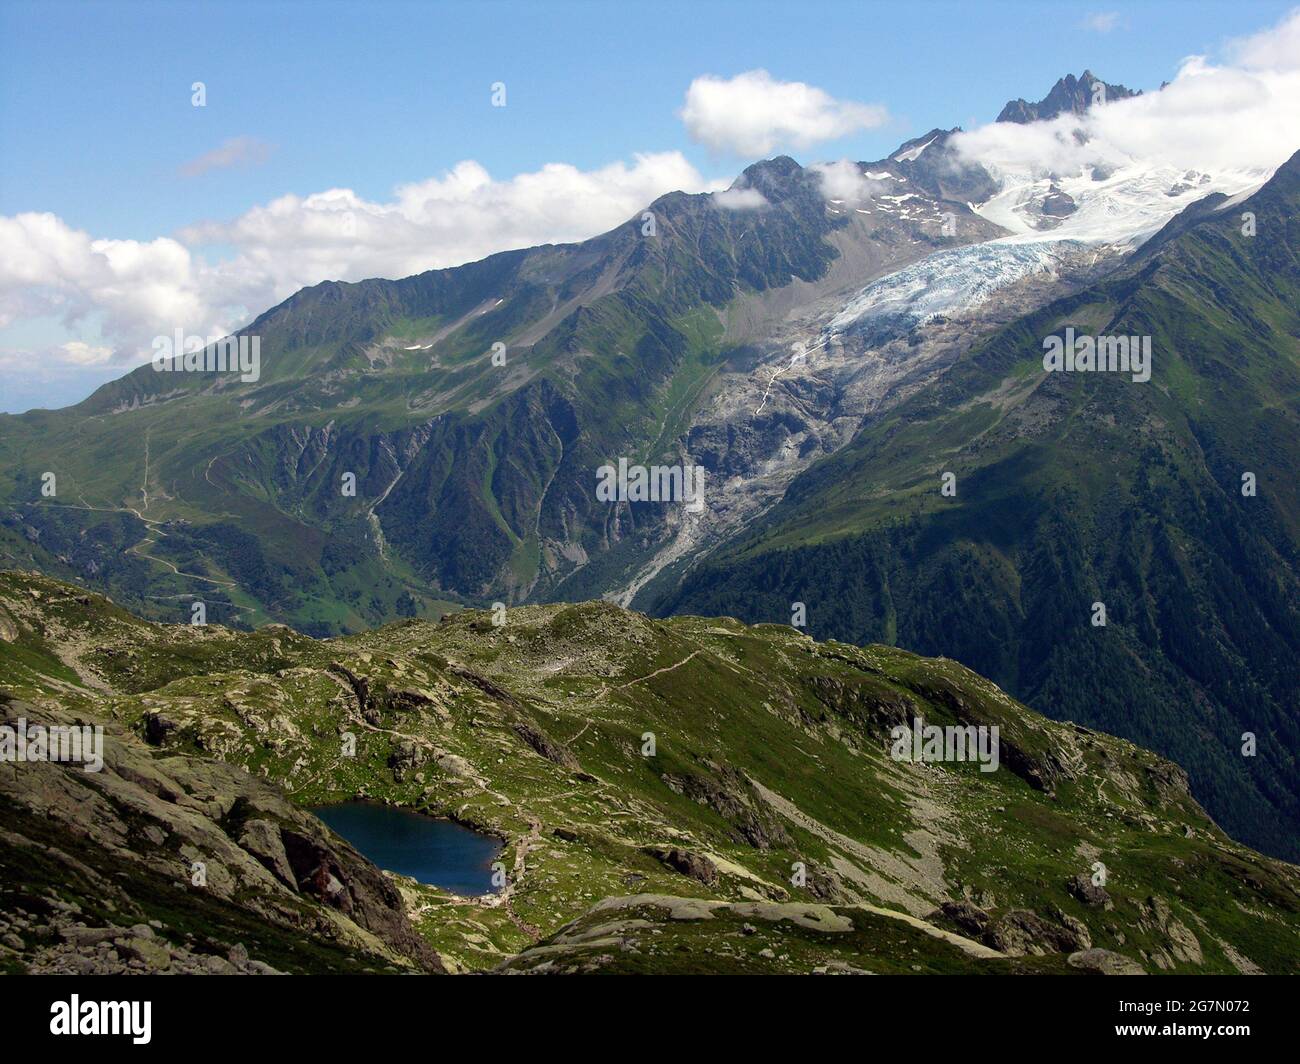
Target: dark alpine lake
(437,852)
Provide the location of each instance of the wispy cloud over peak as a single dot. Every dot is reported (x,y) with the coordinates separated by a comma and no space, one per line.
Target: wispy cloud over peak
(1102,21)
(235,151)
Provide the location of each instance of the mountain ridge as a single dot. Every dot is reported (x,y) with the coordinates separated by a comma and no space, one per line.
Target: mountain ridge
(983,577)
(474,481)
(771,826)
(1069,94)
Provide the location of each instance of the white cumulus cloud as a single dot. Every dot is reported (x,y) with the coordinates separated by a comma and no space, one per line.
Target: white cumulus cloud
(47,268)
(83,354)
(753,114)
(132,291)
(1272,49)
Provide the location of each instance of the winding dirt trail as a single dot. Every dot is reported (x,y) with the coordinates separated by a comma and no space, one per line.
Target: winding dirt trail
(504,900)
(605,691)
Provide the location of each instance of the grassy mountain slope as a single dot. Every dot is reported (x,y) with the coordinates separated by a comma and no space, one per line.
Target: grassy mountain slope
(770,751)
(1075,488)
(473,479)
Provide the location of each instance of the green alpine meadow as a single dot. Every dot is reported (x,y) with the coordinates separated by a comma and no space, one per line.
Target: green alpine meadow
(680,795)
(681,489)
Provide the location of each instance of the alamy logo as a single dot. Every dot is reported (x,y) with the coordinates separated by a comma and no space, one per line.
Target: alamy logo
(1098,354)
(637,483)
(220,354)
(103,1017)
(58,742)
(930,742)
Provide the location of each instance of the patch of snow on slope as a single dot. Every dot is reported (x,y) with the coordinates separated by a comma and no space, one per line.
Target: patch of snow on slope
(1244,194)
(912,153)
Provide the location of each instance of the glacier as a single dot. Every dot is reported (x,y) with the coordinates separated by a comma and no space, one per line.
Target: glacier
(1115,212)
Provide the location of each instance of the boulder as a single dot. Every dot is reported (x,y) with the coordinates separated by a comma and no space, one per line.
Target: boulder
(965,915)
(1083,888)
(687,863)
(1019,932)
(1104,962)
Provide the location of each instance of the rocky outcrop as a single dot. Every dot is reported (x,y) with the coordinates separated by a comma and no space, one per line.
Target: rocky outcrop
(1069,94)
(157,728)
(863,702)
(1104,962)
(1021,932)
(407,756)
(360,688)
(57,942)
(1181,945)
(262,839)
(687,863)
(545,746)
(1085,890)
(154,837)
(964,915)
(8,627)
(731,797)
(1058,203)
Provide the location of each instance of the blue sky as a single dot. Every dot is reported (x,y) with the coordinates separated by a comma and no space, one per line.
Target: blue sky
(96,121)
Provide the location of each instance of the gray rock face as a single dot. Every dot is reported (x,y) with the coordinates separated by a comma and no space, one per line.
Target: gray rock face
(733,799)
(157,729)
(968,917)
(1083,888)
(161,833)
(1181,945)
(1070,94)
(1059,204)
(1020,932)
(1104,962)
(261,838)
(546,747)
(688,864)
